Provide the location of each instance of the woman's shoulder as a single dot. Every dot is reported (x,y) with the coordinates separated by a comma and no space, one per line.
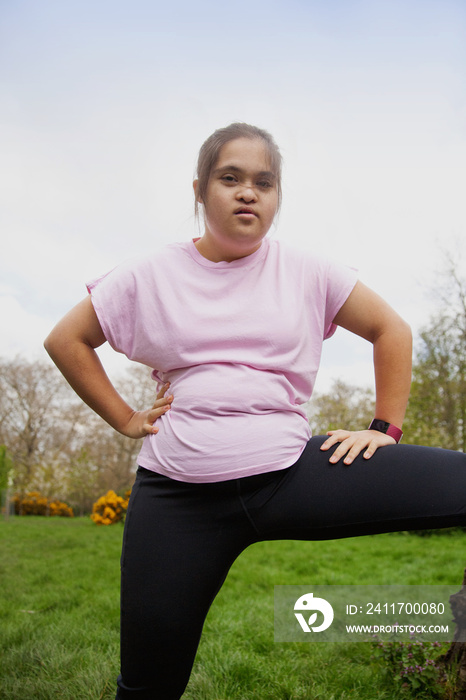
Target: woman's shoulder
(142,268)
(155,258)
(298,255)
(315,267)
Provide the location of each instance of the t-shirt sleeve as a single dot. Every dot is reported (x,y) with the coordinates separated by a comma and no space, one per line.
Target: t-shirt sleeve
(114,298)
(340,283)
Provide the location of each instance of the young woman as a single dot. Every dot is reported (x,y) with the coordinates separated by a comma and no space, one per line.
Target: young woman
(232,325)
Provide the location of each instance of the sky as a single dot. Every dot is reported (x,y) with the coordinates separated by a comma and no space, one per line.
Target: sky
(104,106)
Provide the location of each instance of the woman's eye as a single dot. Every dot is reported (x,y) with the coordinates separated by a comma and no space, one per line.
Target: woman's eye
(228,178)
(264,184)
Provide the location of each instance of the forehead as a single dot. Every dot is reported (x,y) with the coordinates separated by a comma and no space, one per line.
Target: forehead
(246,154)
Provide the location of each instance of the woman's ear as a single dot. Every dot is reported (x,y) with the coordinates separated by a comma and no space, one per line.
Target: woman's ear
(196,191)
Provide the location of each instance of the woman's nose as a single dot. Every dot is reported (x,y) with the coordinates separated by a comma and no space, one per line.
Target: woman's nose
(247,194)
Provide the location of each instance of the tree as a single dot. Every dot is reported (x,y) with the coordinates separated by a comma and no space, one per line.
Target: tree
(6,468)
(83,482)
(38,416)
(344,406)
(112,457)
(436,413)
(58,446)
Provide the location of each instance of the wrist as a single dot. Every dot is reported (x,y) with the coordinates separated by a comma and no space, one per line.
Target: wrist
(387,428)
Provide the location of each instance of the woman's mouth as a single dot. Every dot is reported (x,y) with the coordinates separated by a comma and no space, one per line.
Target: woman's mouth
(246,212)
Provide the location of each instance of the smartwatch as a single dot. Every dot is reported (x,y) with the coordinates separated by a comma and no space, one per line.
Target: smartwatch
(387,428)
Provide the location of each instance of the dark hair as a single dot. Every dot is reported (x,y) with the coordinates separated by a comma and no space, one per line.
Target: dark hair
(210,151)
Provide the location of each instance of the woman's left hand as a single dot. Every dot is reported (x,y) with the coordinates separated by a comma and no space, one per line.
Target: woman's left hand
(352,443)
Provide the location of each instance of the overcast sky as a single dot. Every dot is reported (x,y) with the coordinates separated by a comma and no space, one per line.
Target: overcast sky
(104,105)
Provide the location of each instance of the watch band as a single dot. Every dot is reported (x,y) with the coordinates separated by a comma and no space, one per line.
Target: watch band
(387,428)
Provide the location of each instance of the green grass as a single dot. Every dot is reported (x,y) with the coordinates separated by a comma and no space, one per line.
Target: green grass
(59,582)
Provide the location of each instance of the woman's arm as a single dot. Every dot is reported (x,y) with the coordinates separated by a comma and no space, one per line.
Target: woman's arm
(370,317)
(71,346)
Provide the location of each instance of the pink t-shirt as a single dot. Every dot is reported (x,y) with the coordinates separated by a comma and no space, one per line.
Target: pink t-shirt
(240,344)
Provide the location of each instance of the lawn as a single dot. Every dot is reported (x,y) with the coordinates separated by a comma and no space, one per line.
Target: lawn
(59,613)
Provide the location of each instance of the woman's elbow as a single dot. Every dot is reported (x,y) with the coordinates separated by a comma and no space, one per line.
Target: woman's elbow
(80,327)
(54,343)
(405,332)
(396,332)
(399,337)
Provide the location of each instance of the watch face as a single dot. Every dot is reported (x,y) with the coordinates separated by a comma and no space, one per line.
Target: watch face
(379,425)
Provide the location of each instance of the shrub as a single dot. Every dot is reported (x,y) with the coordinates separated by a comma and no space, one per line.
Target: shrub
(414,668)
(110,509)
(60,509)
(33,503)
(30,504)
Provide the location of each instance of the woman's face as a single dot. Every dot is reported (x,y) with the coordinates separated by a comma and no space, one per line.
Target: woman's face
(241,201)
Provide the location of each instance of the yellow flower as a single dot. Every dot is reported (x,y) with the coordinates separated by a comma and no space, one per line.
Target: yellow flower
(110,508)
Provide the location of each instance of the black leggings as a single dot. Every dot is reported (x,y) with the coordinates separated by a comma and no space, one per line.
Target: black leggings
(181,539)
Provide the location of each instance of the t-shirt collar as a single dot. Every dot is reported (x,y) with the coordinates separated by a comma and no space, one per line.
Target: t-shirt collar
(247,261)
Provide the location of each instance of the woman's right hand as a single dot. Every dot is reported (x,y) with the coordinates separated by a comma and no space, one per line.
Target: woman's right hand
(142,423)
